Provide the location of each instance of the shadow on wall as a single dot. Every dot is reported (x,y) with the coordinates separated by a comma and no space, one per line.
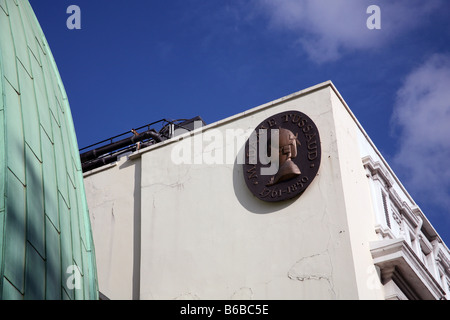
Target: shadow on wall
(137,217)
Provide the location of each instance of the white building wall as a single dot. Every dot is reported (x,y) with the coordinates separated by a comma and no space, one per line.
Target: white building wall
(208,237)
(358,199)
(113,196)
(164,230)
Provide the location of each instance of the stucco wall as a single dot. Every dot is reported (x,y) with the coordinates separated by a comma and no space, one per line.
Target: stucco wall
(113,196)
(205,236)
(177,221)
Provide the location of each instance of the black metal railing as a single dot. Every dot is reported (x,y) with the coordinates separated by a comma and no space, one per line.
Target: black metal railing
(109,150)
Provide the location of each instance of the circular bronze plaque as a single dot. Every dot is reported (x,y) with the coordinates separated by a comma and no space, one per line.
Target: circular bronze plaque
(279,171)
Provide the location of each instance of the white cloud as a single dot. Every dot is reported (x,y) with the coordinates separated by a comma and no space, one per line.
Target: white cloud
(328,28)
(422,113)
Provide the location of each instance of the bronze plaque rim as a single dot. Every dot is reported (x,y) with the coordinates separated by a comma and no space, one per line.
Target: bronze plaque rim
(305,163)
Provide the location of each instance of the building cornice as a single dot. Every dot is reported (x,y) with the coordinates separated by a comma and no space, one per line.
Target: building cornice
(377,171)
(412,213)
(398,262)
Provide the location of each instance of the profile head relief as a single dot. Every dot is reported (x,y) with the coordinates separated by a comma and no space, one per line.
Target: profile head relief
(288,143)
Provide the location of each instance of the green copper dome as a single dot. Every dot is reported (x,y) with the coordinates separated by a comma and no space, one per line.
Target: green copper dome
(46,246)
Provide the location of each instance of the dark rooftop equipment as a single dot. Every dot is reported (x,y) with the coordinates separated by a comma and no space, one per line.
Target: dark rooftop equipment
(109,150)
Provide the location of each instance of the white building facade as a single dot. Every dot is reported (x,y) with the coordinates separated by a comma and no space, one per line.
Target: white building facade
(176,220)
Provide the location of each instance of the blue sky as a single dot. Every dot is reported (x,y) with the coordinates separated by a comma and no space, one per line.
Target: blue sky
(135,62)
